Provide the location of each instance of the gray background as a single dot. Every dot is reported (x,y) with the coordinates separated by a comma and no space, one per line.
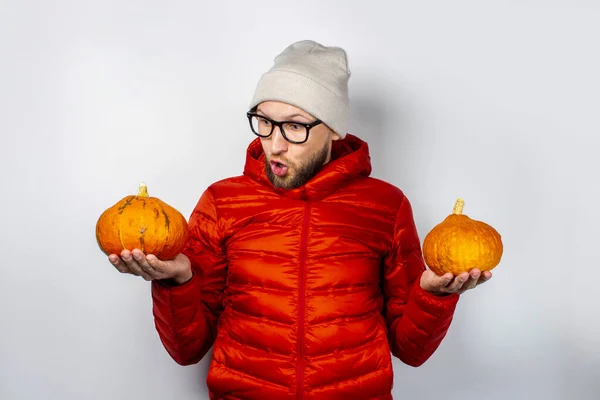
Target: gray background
(493,101)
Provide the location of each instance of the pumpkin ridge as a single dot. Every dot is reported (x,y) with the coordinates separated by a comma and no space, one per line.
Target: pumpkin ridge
(127,203)
(121,231)
(142,231)
(142,227)
(143,244)
(98,238)
(167,226)
(480,237)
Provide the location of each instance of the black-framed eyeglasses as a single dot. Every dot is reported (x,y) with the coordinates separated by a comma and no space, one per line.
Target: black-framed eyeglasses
(293,131)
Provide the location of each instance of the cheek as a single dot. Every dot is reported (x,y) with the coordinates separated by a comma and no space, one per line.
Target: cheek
(297,154)
(265,145)
(321,141)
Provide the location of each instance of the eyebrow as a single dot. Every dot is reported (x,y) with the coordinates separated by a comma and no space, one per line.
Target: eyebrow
(287,118)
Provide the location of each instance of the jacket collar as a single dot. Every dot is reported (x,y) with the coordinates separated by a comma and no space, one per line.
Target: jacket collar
(350,159)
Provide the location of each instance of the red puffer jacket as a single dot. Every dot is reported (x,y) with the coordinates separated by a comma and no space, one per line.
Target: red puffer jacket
(304,293)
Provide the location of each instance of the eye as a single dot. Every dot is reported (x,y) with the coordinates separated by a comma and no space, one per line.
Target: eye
(295,127)
(265,121)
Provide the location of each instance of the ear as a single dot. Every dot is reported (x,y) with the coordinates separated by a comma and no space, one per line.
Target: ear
(335,136)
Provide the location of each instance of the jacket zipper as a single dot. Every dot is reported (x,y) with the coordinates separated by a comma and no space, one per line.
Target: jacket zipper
(301,302)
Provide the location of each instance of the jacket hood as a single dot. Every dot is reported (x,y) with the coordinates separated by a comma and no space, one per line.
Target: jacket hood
(350,159)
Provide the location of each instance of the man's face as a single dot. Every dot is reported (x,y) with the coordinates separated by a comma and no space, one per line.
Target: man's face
(289,165)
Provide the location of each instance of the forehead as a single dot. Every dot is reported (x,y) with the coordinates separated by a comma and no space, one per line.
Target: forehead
(279,110)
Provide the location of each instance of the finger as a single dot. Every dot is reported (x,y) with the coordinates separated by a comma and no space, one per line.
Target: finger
(142,261)
(431,282)
(474,275)
(485,276)
(446,279)
(133,265)
(457,283)
(164,269)
(158,265)
(116,261)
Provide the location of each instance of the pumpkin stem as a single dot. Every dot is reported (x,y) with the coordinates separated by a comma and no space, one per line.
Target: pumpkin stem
(458,206)
(143,191)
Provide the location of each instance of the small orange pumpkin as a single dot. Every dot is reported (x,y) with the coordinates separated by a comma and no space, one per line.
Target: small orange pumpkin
(459,244)
(142,222)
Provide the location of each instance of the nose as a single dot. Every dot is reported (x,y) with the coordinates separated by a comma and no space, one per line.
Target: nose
(278,142)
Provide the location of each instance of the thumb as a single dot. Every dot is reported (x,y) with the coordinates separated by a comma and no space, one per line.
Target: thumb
(435,282)
(446,279)
(155,263)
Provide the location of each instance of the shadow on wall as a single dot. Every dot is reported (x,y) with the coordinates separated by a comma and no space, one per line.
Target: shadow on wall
(398,126)
(368,119)
(385,117)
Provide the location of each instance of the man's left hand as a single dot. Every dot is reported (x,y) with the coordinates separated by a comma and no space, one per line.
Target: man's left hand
(448,283)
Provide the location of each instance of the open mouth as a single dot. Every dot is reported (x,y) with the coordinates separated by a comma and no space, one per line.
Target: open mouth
(278,168)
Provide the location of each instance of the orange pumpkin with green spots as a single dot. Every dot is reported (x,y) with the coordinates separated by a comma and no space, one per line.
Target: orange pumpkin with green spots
(142,222)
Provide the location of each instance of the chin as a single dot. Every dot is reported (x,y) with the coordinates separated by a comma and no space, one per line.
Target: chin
(282,182)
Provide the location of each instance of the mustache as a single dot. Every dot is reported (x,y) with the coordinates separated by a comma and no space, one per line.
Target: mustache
(280,159)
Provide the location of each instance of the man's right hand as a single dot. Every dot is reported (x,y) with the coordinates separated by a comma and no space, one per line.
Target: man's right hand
(177,270)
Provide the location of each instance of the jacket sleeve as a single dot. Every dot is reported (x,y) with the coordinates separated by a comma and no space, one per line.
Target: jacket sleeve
(186,315)
(417,320)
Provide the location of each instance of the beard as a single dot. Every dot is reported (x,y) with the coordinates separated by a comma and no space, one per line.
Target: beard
(300,174)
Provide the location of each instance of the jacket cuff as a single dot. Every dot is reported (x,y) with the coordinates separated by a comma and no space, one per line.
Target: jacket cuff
(432,304)
(176,293)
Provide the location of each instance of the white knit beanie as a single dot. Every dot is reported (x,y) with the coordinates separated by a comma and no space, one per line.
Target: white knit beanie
(312,77)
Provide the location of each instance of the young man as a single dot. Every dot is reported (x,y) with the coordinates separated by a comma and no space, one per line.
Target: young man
(304,273)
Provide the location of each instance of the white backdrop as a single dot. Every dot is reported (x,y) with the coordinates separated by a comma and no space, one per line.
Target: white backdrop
(496,102)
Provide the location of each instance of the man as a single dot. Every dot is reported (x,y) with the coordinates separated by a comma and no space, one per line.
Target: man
(304,273)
